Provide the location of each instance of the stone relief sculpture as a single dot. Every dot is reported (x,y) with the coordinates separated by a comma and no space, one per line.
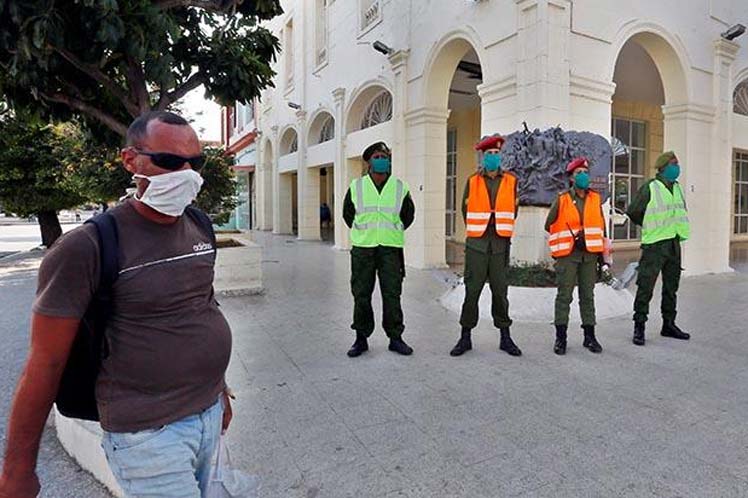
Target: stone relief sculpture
(539,160)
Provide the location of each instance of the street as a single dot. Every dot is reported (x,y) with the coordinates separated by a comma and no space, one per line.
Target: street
(664,420)
(22,236)
(60,475)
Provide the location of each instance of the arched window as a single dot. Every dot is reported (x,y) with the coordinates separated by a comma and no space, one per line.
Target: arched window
(327,132)
(740,99)
(379,111)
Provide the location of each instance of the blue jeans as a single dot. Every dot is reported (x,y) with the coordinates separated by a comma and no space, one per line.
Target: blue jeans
(171,461)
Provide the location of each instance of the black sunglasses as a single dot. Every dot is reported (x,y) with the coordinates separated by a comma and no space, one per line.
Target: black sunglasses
(173,162)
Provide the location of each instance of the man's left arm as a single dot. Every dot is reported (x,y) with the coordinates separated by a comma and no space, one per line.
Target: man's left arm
(408,211)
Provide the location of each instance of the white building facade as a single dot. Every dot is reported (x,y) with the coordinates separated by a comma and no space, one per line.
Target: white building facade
(657,75)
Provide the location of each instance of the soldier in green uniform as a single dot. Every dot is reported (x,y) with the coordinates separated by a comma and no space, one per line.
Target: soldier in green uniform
(660,208)
(577,231)
(378,209)
(489,208)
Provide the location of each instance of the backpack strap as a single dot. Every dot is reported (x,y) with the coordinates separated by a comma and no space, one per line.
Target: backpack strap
(106,227)
(205,223)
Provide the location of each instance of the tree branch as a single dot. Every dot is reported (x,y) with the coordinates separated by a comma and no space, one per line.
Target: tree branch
(209,5)
(94,72)
(107,119)
(192,82)
(138,87)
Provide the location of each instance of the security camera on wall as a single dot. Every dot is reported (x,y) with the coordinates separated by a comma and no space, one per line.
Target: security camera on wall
(734,32)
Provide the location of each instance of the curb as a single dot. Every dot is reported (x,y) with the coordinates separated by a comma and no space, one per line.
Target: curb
(249,291)
(82,441)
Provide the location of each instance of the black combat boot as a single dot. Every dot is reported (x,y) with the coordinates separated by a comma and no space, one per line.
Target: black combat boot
(639,333)
(360,346)
(507,344)
(464,344)
(398,346)
(589,339)
(670,329)
(560,346)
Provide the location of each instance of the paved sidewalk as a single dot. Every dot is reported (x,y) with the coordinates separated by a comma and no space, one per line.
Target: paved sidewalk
(61,477)
(666,420)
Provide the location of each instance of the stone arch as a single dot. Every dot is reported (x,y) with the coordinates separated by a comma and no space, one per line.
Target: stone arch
(267,154)
(740,92)
(320,122)
(360,101)
(289,141)
(442,62)
(667,52)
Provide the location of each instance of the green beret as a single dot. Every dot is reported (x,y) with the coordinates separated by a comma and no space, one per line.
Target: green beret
(375,147)
(664,159)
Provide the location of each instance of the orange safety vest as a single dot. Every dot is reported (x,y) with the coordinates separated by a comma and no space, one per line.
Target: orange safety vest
(568,224)
(479,208)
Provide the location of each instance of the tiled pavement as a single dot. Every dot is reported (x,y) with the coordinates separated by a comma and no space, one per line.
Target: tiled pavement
(666,420)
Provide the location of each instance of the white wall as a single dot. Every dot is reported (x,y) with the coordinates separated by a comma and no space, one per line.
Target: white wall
(546,61)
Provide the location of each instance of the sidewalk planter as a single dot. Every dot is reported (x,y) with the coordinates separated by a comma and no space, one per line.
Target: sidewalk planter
(238,265)
(82,440)
(536,304)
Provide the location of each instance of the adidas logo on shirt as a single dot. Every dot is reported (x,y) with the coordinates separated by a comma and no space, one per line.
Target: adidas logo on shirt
(202,246)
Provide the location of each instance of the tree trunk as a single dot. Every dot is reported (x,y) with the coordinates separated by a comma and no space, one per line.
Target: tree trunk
(50,227)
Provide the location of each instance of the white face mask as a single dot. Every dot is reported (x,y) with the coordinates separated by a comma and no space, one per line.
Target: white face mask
(171,193)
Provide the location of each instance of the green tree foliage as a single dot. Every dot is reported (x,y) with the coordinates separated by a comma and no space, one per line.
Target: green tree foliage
(112,60)
(35,176)
(218,195)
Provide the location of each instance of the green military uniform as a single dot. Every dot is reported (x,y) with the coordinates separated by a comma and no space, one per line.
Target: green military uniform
(663,256)
(386,262)
(486,259)
(577,269)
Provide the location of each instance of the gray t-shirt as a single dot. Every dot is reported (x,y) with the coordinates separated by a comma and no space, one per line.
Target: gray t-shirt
(169,343)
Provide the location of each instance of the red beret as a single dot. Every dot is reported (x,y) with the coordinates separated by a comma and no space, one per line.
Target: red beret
(579,162)
(492,142)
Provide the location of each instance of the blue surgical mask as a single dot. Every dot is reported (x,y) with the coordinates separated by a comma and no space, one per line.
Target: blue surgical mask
(380,165)
(491,162)
(671,172)
(582,180)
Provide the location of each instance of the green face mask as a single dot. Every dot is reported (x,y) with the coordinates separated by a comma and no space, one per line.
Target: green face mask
(671,172)
(582,180)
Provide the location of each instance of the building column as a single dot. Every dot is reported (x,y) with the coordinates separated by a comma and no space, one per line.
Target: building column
(264,188)
(543,62)
(342,177)
(688,132)
(282,189)
(308,187)
(399,62)
(721,167)
(542,100)
(426,174)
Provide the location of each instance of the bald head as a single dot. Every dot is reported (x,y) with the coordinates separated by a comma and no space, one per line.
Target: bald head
(139,129)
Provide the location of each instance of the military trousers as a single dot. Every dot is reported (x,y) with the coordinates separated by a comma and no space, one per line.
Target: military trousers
(480,268)
(662,257)
(578,269)
(386,263)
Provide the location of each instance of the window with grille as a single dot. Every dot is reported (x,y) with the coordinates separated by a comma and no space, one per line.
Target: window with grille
(321,32)
(379,111)
(327,132)
(629,168)
(451,211)
(740,99)
(740,211)
(370,12)
(288,48)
